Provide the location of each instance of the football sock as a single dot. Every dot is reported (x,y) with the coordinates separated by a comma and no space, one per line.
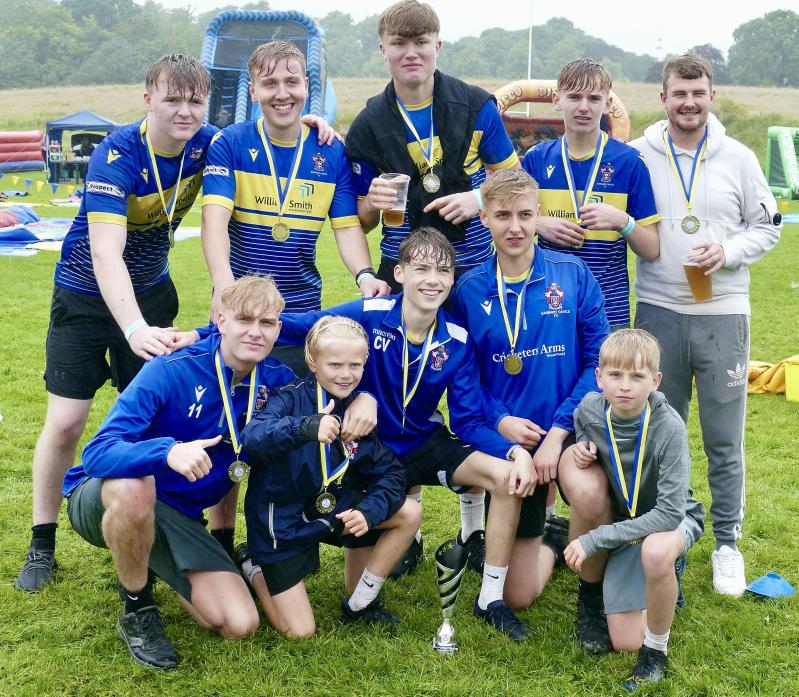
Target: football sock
(659,642)
(136,600)
(43,536)
(551,510)
(366,591)
(224,536)
(493,585)
(418,498)
(472,511)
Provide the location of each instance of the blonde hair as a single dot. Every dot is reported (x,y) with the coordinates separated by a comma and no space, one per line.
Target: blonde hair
(408,19)
(267,56)
(253,295)
(182,74)
(505,184)
(584,75)
(688,66)
(331,328)
(630,348)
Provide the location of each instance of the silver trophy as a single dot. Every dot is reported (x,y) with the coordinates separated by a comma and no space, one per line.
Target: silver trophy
(451,561)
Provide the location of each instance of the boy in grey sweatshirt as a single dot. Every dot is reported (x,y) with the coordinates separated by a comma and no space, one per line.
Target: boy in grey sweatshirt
(640,441)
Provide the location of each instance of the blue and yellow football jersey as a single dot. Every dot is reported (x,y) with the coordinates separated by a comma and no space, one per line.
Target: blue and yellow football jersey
(120,188)
(623,182)
(490,147)
(237,176)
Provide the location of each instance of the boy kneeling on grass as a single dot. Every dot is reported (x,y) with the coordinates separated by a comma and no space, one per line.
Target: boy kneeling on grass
(307,487)
(641,443)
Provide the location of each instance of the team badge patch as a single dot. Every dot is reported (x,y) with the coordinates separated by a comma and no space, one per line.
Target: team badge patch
(352,447)
(606,172)
(439,356)
(195,153)
(319,162)
(261,397)
(554,296)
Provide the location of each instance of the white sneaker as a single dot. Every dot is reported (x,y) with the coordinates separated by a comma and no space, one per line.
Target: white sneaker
(728,571)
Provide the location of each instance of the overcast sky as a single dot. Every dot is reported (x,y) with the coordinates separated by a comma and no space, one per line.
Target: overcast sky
(667,26)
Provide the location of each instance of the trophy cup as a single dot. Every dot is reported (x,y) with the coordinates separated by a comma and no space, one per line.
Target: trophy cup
(451,561)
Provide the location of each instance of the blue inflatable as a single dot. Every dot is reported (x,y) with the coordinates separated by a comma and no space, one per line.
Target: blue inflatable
(229,40)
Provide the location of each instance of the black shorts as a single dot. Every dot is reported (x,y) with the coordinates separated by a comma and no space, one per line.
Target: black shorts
(182,544)
(534,507)
(434,462)
(82,331)
(287,573)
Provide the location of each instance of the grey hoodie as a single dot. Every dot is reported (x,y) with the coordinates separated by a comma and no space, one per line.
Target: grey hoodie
(735,207)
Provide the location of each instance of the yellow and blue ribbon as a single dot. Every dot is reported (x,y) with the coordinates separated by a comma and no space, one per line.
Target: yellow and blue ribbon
(689,190)
(324,448)
(407,395)
(513,336)
(593,167)
(427,154)
(630,494)
(227,401)
(282,192)
(169,211)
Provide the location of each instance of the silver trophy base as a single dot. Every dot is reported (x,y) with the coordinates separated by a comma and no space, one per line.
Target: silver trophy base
(444,641)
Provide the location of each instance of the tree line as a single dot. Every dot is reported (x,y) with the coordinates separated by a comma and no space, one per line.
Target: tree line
(89,42)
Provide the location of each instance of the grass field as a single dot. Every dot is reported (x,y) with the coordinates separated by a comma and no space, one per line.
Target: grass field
(62,641)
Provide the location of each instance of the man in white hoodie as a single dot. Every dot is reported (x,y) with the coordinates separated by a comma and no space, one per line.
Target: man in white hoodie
(718,214)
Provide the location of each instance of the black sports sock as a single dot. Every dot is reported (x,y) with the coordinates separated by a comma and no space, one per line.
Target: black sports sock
(43,537)
(136,600)
(590,590)
(224,536)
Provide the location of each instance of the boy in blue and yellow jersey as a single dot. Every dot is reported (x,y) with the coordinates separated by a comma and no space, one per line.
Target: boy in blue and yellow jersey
(641,443)
(537,319)
(168,450)
(418,353)
(269,186)
(438,130)
(311,485)
(112,289)
(595,194)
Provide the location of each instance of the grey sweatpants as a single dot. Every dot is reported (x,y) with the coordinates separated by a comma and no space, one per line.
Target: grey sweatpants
(715,351)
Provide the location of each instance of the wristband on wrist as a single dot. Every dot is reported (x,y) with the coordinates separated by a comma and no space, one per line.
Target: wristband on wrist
(133,326)
(366,271)
(629,227)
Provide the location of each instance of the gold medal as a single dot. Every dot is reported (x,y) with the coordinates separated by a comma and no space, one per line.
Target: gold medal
(512,364)
(431,182)
(280,231)
(238,471)
(325,502)
(690,224)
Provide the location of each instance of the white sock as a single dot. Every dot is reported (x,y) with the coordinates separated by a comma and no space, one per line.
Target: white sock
(418,499)
(248,570)
(472,512)
(551,510)
(659,642)
(493,585)
(366,591)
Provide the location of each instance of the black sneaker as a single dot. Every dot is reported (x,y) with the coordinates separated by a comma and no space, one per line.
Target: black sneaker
(556,537)
(373,613)
(144,635)
(475,547)
(679,570)
(501,616)
(652,665)
(592,626)
(37,571)
(410,560)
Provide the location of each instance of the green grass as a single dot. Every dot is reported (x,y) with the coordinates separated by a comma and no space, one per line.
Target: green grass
(62,640)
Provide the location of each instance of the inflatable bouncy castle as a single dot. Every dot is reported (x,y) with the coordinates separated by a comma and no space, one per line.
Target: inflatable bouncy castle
(229,40)
(21,150)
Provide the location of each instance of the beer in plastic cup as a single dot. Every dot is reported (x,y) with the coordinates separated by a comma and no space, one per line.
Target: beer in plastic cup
(394,216)
(701,286)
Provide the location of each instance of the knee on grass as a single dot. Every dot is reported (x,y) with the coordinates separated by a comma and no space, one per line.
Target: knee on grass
(239,624)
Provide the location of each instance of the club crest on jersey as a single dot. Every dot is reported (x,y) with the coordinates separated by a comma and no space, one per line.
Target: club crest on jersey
(112,155)
(195,153)
(550,169)
(606,172)
(352,447)
(554,296)
(439,356)
(253,153)
(261,397)
(319,162)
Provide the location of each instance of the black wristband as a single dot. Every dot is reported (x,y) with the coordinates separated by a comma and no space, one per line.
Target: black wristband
(366,271)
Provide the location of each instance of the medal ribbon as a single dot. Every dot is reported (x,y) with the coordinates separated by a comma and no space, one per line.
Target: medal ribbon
(407,396)
(671,154)
(324,448)
(595,161)
(282,194)
(631,495)
(227,401)
(513,336)
(427,154)
(169,211)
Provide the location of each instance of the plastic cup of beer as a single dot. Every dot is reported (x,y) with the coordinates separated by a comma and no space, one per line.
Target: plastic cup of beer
(395,215)
(701,286)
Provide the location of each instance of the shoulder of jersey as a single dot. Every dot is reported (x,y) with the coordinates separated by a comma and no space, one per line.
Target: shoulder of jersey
(121,143)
